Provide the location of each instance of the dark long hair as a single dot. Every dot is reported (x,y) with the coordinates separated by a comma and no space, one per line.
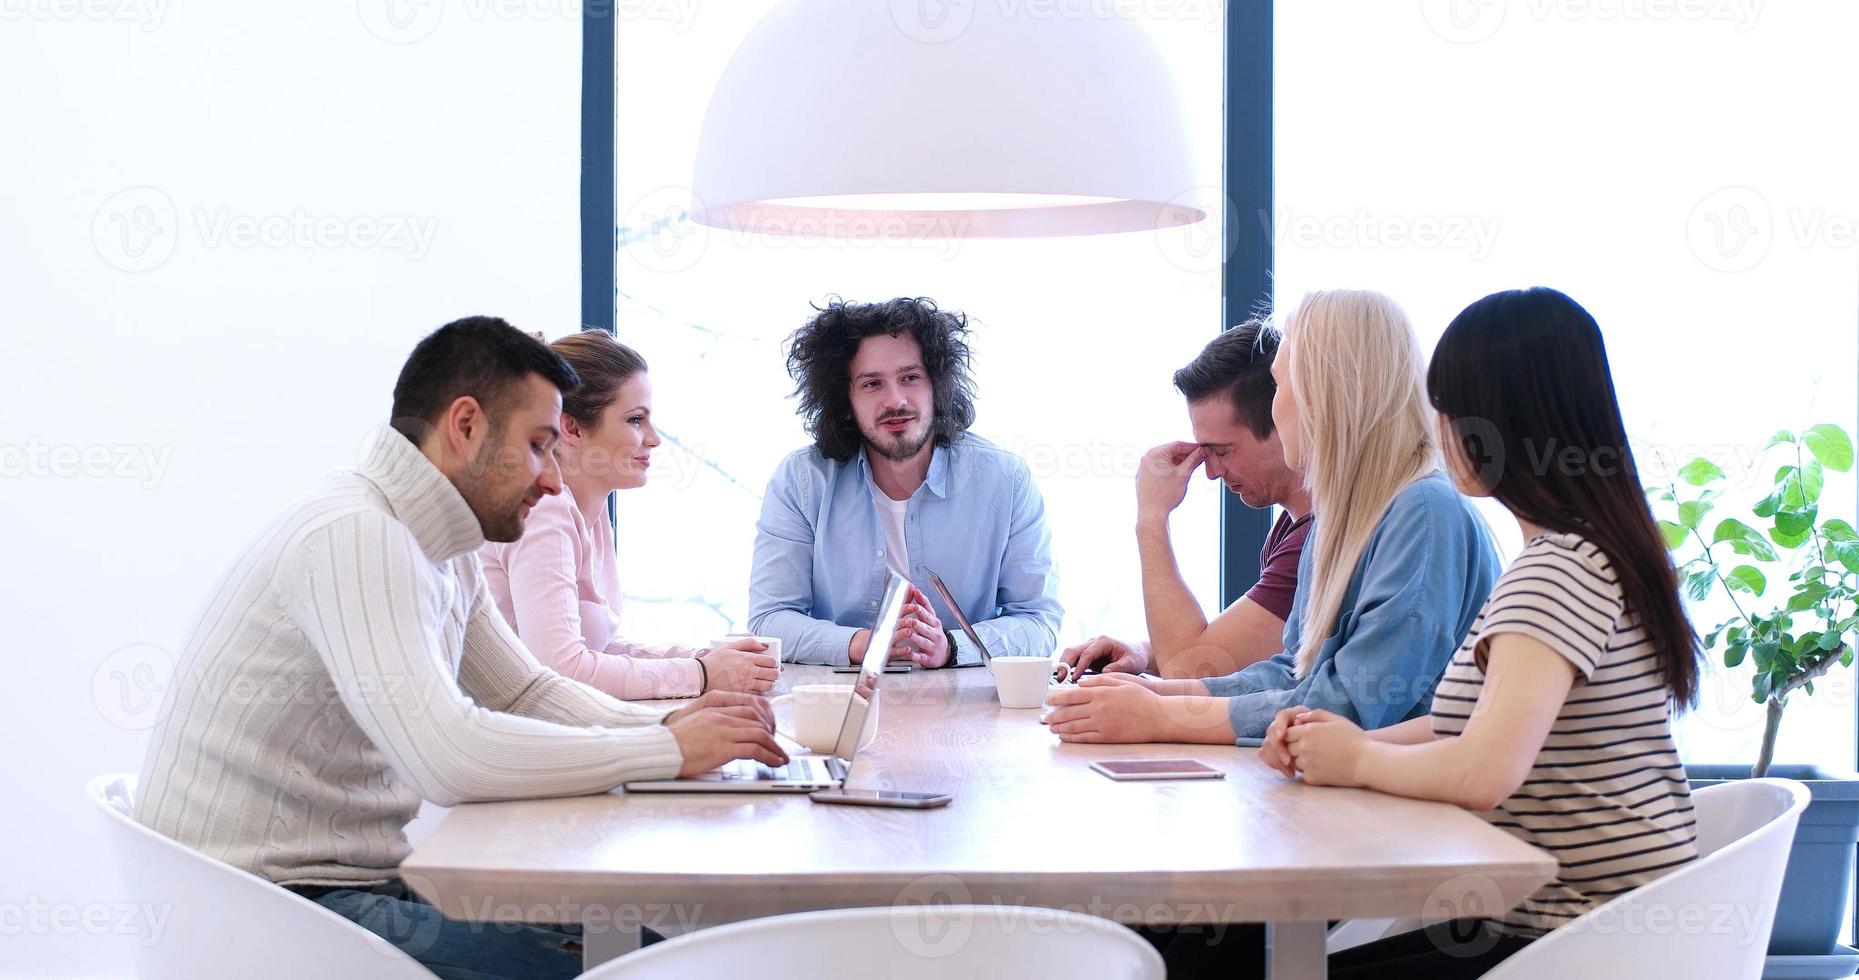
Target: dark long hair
(1523,379)
(819,359)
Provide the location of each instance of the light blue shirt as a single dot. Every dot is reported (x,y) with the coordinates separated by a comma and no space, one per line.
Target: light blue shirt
(978,521)
(1411,601)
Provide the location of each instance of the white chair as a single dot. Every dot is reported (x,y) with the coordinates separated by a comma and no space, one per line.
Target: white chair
(1706,920)
(210,919)
(905,942)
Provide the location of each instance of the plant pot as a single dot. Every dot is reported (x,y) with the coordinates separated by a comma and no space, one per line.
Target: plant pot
(1820,866)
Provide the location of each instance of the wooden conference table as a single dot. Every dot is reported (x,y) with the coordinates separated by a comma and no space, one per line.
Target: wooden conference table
(1031,824)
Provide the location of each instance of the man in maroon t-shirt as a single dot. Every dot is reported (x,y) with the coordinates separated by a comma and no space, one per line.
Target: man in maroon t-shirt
(1229,389)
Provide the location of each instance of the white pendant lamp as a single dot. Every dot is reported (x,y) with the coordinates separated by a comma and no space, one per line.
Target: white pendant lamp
(944,118)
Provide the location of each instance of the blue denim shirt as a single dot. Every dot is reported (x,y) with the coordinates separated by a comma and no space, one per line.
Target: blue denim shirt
(978,521)
(1411,601)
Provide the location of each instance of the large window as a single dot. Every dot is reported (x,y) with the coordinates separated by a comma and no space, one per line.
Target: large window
(1686,171)
(1075,342)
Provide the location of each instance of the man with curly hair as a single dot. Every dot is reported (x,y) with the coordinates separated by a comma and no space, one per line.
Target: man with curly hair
(895,482)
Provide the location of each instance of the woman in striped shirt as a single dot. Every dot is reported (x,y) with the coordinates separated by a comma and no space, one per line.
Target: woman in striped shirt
(1554,718)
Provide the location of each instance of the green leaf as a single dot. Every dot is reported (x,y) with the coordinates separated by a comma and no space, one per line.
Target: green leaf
(1675,534)
(1733,655)
(1830,641)
(1847,553)
(1846,659)
(1765,653)
(1793,496)
(1813,480)
(1744,540)
(1698,585)
(1830,446)
(1747,578)
(1769,505)
(1700,472)
(1787,540)
(1691,513)
(1810,688)
(1762,686)
(1838,530)
(1710,639)
(1781,438)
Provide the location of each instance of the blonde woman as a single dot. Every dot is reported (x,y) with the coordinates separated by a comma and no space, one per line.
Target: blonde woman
(558,585)
(1393,574)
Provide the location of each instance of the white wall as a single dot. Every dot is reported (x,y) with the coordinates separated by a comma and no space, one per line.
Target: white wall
(236,371)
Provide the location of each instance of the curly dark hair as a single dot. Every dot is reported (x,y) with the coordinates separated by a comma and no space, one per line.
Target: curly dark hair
(819,359)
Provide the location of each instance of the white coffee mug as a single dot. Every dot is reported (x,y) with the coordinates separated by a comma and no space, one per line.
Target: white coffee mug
(1020,682)
(773,643)
(819,711)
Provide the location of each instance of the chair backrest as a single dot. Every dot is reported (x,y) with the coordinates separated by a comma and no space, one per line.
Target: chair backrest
(202,918)
(905,942)
(1709,919)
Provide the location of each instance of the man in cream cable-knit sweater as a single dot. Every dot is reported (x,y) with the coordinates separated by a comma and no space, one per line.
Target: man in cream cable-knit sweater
(351,663)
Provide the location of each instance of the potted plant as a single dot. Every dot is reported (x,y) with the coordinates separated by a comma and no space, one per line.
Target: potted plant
(1793,581)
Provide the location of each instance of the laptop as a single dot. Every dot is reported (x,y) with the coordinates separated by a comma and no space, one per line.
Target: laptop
(809,772)
(961,619)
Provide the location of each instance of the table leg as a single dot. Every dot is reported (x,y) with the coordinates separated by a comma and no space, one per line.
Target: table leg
(609,941)
(1295,951)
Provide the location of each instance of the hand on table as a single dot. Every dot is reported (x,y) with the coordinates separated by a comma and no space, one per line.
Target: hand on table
(1107,708)
(1326,748)
(1108,655)
(920,630)
(741,665)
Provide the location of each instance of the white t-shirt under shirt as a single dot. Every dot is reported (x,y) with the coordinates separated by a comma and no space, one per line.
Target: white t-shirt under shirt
(891,515)
(1607,794)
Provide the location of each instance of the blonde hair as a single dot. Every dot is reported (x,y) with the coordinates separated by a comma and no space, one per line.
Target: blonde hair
(1358,383)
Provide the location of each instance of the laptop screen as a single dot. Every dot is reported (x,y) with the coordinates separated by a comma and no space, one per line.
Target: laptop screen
(865,687)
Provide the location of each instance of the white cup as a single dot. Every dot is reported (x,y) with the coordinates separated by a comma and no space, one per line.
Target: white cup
(820,711)
(1020,682)
(773,643)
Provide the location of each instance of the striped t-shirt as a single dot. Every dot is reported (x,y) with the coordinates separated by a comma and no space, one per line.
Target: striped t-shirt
(1607,795)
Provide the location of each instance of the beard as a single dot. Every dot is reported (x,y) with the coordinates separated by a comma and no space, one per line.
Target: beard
(896,446)
(499,510)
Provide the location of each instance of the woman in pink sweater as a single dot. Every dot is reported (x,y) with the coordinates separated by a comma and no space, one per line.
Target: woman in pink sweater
(559,585)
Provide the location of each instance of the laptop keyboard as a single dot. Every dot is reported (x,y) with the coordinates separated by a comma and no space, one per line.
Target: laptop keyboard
(800,770)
